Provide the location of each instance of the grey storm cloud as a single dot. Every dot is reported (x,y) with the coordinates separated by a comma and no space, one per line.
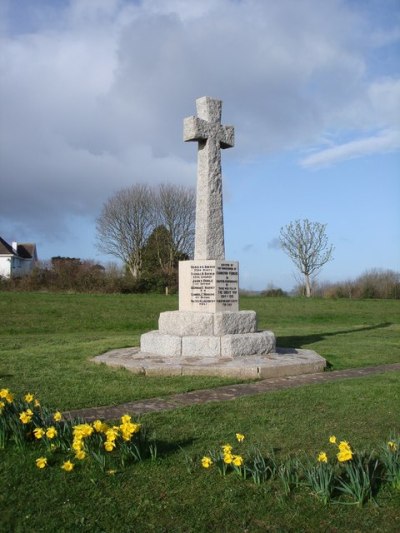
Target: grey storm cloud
(93,93)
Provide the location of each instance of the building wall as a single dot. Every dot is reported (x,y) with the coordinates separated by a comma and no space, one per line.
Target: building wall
(12,266)
(5,266)
(21,267)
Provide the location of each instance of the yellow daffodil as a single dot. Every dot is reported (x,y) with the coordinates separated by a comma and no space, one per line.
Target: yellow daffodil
(237,460)
(67,466)
(25,416)
(51,432)
(228,458)
(82,430)
(4,393)
(343,445)
(39,433)
(109,445)
(80,454)
(322,457)
(226,448)
(332,439)
(36,403)
(2,405)
(57,416)
(239,437)
(125,419)
(344,455)
(98,426)
(29,397)
(392,446)
(10,397)
(41,462)
(128,429)
(206,462)
(112,434)
(77,445)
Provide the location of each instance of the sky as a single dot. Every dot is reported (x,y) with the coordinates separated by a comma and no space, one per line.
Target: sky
(93,94)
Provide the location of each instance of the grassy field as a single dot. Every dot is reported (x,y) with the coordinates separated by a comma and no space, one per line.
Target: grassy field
(46,341)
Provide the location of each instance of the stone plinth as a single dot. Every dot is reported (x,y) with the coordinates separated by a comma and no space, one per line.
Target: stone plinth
(199,334)
(208,285)
(226,346)
(204,324)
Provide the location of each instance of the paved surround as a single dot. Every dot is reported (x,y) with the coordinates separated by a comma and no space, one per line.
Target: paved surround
(203,357)
(225,393)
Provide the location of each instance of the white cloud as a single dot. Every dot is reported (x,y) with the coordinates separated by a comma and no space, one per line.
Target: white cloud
(386,141)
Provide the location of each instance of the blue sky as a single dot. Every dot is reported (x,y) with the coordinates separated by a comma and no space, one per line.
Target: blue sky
(93,94)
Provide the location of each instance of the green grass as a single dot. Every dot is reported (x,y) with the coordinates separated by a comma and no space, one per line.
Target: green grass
(165,496)
(348,333)
(46,341)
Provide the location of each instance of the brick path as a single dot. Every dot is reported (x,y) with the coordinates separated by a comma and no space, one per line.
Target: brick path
(228,392)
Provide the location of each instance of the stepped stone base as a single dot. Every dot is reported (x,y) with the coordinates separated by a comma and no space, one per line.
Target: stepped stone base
(195,334)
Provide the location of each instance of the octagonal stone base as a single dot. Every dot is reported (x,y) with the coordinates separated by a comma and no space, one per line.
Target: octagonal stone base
(279,364)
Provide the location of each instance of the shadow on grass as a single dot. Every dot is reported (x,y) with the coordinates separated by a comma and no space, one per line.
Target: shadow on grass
(298,341)
(167,448)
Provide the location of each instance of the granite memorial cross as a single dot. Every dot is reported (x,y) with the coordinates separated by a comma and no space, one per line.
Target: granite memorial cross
(208,323)
(211,135)
(208,334)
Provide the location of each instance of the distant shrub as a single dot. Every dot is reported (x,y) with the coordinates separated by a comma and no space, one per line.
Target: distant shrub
(271,293)
(375,283)
(66,274)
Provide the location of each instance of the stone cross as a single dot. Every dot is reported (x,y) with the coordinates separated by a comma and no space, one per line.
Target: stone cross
(211,135)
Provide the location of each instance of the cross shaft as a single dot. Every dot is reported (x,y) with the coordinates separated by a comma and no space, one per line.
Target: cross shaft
(211,135)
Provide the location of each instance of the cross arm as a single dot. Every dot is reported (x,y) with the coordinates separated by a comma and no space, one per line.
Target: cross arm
(227,136)
(195,129)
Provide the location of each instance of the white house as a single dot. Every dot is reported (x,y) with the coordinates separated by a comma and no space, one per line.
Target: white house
(16,260)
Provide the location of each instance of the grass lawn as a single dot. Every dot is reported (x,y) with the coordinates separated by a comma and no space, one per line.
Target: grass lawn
(45,343)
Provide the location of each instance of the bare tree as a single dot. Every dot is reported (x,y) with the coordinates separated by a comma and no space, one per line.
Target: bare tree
(130,216)
(124,225)
(175,208)
(306,243)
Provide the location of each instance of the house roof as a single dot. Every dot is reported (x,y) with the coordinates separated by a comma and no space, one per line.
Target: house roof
(26,250)
(5,248)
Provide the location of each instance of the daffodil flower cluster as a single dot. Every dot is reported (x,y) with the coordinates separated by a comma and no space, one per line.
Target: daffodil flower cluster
(26,416)
(345,453)
(229,457)
(225,458)
(25,420)
(79,433)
